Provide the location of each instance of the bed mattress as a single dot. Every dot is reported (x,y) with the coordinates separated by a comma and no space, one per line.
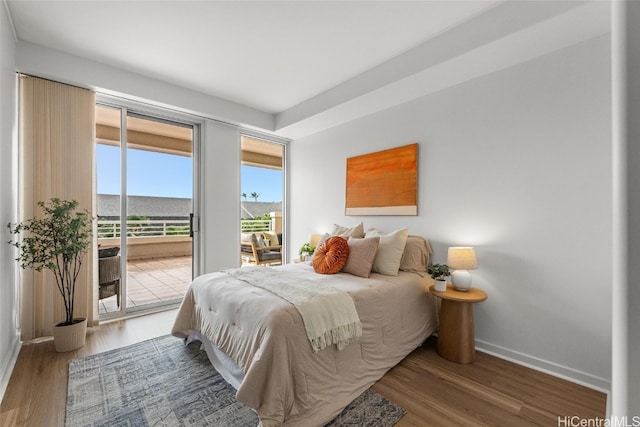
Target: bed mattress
(258,340)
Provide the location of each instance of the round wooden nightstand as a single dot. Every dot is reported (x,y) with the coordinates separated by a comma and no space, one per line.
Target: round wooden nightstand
(456,340)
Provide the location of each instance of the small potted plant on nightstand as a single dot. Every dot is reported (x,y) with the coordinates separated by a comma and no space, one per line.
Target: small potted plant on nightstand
(439,273)
(306,250)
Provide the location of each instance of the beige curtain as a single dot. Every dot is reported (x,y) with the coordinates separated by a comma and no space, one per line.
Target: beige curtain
(57,150)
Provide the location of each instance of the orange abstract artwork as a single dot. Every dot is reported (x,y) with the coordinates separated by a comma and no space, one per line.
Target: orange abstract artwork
(383,183)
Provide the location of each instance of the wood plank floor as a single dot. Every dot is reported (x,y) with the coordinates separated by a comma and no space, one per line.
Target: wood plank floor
(435,392)
(489,392)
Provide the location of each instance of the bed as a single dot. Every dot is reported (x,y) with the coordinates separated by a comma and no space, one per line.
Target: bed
(257,340)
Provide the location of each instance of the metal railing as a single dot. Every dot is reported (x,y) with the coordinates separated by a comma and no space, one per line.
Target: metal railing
(251,225)
(109,229)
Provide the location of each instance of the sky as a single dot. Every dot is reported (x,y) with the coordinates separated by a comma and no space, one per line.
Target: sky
(266,182)
(166,175)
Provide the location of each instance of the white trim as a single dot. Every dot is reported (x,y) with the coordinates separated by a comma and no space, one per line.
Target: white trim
(274,139)
(128,108)
(620,212)
(124,206)
(7,369)
(564,372)
(147,108)
(269,137)
(196,198)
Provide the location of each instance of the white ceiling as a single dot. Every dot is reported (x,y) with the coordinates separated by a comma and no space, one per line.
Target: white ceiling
(269,55)
(309,64)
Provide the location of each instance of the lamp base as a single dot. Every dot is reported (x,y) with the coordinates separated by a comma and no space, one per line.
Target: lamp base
(461,280)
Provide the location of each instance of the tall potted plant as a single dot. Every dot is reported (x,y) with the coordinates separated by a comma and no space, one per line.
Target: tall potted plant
(58,242)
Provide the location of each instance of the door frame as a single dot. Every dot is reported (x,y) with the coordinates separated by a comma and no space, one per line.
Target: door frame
(138,109)
(284,142)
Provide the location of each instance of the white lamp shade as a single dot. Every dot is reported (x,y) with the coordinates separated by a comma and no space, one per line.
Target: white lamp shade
(313,239)
(462,258)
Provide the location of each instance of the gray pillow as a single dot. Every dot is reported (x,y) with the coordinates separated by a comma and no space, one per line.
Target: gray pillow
(362,252)
(416,254)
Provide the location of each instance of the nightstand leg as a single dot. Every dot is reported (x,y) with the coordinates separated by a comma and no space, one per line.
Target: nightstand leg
(456,340)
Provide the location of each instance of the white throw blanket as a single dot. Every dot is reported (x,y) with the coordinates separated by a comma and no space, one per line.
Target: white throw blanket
(329,314)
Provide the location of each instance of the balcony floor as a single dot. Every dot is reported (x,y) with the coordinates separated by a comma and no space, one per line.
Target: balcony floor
(153,281)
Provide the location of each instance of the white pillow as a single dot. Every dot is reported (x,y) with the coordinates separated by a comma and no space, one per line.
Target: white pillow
(272,236)
(346,232)
(390,250)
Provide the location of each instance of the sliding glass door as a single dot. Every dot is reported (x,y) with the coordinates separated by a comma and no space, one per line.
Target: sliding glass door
(145,190)
(262,199)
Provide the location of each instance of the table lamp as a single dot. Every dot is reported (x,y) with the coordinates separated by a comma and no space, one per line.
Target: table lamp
(313,239)
(461,259)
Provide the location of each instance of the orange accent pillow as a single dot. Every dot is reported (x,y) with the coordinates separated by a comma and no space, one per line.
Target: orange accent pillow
(331,256)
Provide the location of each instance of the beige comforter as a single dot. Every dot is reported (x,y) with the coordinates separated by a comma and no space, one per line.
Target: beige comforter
(285,381)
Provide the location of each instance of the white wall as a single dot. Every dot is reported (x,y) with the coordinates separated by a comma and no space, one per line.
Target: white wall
(9,334)
(220,208)
(518,164)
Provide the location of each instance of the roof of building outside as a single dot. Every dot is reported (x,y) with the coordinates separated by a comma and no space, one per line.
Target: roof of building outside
(150,207)
(171,207)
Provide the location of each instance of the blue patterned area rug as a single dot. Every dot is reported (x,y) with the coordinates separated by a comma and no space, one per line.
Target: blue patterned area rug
(162,382)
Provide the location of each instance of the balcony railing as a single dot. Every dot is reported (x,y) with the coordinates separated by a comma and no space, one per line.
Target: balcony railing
(110,229)
(252,225)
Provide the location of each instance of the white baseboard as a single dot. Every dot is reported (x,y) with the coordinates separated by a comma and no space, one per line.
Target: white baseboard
(8,365)
(564,372)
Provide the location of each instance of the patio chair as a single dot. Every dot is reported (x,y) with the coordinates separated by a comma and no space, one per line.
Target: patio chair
(253,252)
(109,273)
